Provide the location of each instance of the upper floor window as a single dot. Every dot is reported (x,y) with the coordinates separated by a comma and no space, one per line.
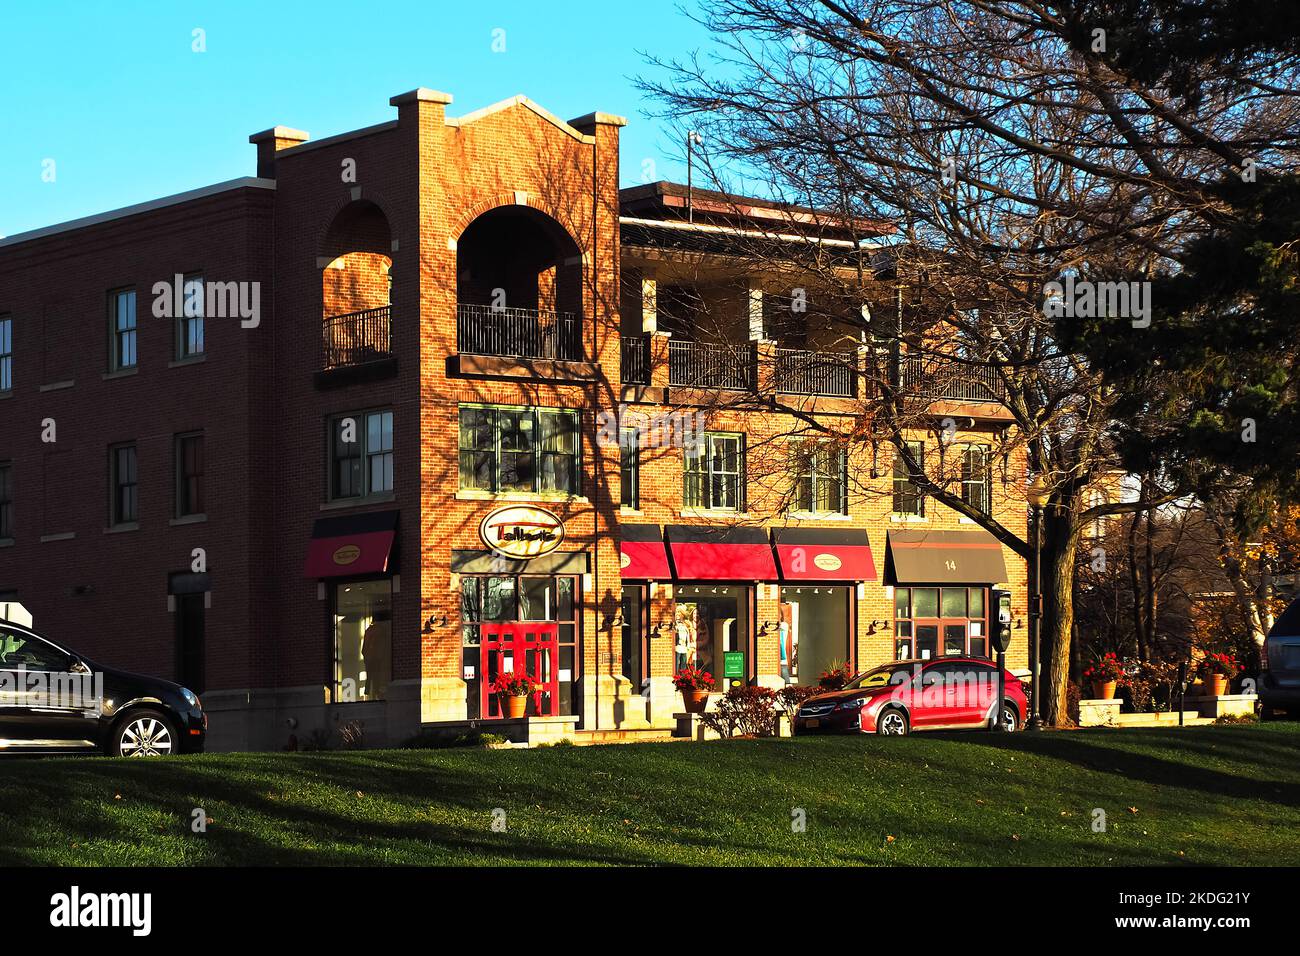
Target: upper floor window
(189,324)
(124,508)
(505,449)
(121,332)
(908,499)
(189,475)
(6,353)
(361,454)
(976,488)
(629,447)
(6,501)
(714,474)
(820,485)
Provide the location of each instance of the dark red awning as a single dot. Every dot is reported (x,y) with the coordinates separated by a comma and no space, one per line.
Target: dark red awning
(352,545)
(824,554)
(642,554)
(710,553)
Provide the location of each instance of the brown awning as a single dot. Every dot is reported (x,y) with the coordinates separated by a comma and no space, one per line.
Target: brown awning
(944,557)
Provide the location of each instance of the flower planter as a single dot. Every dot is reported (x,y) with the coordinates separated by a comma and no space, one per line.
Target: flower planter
(1218,685)
(1103,690)
(513,707)
(695,700)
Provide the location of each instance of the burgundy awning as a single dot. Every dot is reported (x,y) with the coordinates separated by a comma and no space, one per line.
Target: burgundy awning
(352,545)
(824,554)
(944,557)
(642,553)
(711,553)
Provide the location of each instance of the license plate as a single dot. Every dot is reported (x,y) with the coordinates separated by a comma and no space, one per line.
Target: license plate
(812,722)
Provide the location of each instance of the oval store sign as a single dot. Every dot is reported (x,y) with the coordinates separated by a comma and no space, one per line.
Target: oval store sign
(522,531)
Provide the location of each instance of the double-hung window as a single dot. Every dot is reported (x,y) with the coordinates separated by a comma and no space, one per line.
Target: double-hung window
(975,485)
(525,450)
(189,324)
(908,499)
(124,508)
(6,353)
(361,454)
(6,501)
(629,448)
(121,330)
(189,475)
(713,476)
(820,485)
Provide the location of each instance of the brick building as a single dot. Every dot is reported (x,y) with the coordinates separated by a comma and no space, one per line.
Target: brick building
(335,442)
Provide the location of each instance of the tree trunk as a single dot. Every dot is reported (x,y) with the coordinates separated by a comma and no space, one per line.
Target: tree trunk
(1060,545)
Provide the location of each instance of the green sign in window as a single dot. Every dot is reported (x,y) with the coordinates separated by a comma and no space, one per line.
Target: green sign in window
(733,664)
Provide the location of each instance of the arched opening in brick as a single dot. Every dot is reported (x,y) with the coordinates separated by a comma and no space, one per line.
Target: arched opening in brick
(356,287)
(518,286)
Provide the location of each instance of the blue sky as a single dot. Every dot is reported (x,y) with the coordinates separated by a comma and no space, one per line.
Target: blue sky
(113,93)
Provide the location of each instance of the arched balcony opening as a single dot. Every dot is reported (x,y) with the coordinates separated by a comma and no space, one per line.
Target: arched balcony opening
(356,288)
(518,287)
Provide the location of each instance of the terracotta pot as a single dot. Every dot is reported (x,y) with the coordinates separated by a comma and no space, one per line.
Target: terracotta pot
(514,707)
(695,700)
(1219,684)
(1103,690)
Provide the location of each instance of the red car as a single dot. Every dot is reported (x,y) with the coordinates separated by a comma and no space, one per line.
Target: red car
(944,693)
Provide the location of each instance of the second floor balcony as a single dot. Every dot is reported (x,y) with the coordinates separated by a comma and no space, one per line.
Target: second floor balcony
(945,379)
(518,333)
(708,365)
(357,338)
(810,372)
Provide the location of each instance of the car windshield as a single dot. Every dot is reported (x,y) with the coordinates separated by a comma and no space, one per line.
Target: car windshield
(881,677)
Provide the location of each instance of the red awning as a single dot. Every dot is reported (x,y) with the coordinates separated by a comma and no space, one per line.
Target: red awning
(352,545)
(824,554)
(642,553)
(710,553)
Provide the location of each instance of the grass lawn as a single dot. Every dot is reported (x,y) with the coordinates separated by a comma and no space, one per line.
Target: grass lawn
(1206,795)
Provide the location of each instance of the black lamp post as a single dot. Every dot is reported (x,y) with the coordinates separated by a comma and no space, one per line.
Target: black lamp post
(1036,494)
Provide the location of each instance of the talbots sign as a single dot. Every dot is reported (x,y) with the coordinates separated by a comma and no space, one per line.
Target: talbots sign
(522,531)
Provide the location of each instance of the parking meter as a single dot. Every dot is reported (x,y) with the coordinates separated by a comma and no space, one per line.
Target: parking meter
(1001,641)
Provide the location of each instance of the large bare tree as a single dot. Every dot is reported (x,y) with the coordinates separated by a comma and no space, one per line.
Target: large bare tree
(1009,145)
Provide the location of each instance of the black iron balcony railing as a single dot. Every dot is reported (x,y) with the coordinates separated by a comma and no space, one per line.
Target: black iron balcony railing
(806,372)
(703,365)
(518,333)
(935,377)
(358,337)
(635,360)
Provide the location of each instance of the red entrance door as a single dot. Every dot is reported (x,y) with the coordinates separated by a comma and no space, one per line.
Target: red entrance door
(521,647)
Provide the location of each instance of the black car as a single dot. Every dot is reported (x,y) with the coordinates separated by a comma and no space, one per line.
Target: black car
(54,700)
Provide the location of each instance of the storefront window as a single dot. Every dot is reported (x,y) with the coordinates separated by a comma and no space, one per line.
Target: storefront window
(814,631)
(710,622)
(363,640)
(934,622)
(487,599)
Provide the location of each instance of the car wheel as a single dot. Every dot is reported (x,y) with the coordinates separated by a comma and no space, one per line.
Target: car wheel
(892,723)
(144,733)
(1010,719)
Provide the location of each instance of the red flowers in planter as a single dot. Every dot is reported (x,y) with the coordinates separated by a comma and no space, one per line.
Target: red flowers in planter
(1108,668)
(693,678)
(836,677)
(1224,664)
(515,685)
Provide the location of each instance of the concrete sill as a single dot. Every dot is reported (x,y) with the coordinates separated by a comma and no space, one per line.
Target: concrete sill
(188,519)
(358,502)
(524,496)
(61,536)
(58,386)
(191,360)
(6,542)
(908,519)
(121,373)
(123,528)
(818,516)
